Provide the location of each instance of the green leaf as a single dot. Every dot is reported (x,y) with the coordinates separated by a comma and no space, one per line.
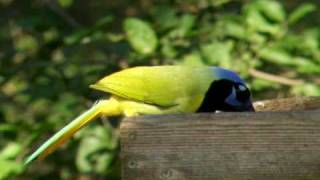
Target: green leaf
(8,164)
(306,66)
(65,3)
(93,155)
(168,50)
(192,59)
(10,151)
(77,36)
(218,3)
(257,39)
(300,12)
(141,36)
(260,84)
(272,9)
(306,90)
(50,35)
(27,43)
(165,17)
(187,21)
(103,21)
(234,29)
(218,53)
(6,127)
(257,22)
(113,37)
(9,168)
(276,55)
(311,43)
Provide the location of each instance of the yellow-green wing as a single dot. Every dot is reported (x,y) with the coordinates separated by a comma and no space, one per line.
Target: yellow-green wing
(161,85)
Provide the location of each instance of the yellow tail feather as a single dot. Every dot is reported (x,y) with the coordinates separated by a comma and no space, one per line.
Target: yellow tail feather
(103,107)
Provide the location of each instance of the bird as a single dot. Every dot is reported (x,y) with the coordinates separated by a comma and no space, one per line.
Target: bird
(157,90)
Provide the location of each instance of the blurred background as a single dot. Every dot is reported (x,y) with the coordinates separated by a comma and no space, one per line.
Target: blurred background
(51,50)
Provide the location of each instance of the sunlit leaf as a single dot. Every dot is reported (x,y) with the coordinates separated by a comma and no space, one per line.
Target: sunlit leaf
(95,151)
(234,29)
(6,127)
(7,160)
(218,53)
(50,35)
(9,168)
(140,35)
(305,65)
(77,36)
(261,84)
(276,56)
(304,44)
(27,43)
(185,24)
(300,12)
(65,3)
(257,22)
(10,151)
(103,21)
(306,90)
(218,3)
(272,9)
(193,59)
(168,50)
(257,38)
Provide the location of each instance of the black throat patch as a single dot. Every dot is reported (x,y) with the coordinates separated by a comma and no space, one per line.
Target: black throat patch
(215,96)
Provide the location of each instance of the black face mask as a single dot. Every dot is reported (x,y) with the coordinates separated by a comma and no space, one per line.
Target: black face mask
(219,91)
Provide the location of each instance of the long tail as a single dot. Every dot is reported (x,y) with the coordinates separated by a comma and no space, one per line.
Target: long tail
(105,107)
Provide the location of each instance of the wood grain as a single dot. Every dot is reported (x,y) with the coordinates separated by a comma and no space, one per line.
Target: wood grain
(288,104)
(225,146)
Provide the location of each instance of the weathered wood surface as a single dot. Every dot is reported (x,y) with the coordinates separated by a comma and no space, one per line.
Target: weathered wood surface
(224,146)
(288,104)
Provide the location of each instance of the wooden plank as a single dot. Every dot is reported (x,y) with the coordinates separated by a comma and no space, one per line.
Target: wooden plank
(288,104)
(225,146)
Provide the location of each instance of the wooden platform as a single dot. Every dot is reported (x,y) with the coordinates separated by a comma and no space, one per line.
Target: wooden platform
(226,146)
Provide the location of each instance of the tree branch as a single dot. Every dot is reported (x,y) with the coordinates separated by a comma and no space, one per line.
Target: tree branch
(275,78)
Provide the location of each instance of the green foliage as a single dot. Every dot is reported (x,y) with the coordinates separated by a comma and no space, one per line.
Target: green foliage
(52,51)
(301,12)
(65,3)
(7,163)
(140,35)
(91,156)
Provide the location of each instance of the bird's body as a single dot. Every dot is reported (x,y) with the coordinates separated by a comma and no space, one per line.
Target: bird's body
(158,90)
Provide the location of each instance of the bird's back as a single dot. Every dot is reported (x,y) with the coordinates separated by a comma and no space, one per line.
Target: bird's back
(160,85)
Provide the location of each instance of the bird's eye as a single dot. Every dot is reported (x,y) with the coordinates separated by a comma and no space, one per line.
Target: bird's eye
(242,93)
(242,87)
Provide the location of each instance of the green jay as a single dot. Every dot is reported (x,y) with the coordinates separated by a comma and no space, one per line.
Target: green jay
(159,90)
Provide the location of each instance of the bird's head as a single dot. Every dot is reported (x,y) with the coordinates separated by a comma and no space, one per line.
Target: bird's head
(228,92)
